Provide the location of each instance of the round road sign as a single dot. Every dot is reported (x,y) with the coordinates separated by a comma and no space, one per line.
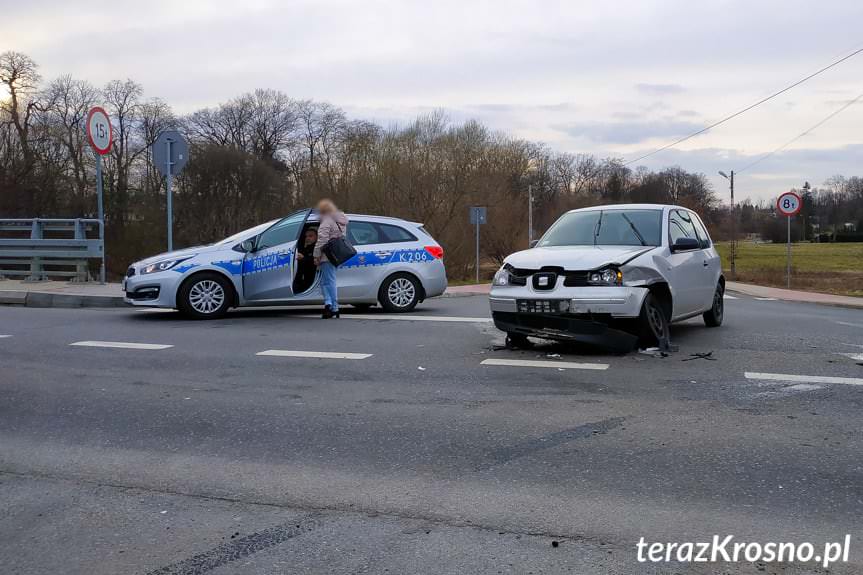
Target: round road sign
(789,204)
(99,131)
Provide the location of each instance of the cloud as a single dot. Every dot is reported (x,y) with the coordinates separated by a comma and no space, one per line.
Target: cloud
(631,132)
(660,89)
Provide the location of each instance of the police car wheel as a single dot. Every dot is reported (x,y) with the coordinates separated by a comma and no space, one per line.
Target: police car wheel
(399,293)
(206,295)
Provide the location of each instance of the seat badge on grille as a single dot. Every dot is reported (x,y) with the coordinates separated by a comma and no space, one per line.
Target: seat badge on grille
(542,281)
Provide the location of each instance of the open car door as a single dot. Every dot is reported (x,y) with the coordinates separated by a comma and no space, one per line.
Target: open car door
(268,270)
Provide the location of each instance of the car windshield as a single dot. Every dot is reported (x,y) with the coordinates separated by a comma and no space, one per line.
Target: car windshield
(606,228)
(251,232)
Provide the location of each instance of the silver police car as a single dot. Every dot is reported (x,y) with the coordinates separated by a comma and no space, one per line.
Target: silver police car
(397,265)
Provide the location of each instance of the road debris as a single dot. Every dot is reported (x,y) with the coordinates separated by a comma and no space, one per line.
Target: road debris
(708,356)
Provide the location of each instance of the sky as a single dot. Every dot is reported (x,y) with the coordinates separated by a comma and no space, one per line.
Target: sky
(611,78)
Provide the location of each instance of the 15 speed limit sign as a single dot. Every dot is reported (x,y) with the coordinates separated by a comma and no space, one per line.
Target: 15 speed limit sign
(789,204)
(99,131)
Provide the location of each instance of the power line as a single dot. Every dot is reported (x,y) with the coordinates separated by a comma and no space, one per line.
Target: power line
(746,109)
(798,136)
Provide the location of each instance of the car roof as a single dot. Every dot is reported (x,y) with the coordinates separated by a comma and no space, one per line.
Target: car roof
(380,219)
(630,207)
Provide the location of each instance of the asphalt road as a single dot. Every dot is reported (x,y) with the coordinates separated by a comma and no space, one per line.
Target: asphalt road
(414,456)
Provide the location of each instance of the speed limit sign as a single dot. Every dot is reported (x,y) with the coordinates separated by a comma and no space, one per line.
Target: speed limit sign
(99,131)
(789,204)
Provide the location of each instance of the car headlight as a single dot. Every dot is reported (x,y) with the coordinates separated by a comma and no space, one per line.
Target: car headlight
(161,266)
(606,277)
(501,278)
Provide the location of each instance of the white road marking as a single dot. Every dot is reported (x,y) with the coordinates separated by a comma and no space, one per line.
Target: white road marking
(409,317)
(803,378)
(766,298)
(854,356)
(555,364)
(726,296)
(121,345)
(4,335)
(313,354)
(850,324)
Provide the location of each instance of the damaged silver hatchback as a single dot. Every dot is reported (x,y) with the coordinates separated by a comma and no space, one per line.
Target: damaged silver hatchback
(612,276)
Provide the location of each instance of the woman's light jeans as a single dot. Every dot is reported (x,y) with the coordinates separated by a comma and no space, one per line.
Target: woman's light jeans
(328,285)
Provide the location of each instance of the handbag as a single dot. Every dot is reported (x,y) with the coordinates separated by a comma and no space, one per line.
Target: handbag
(339,250)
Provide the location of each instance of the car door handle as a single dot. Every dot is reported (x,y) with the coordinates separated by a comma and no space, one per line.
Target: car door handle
(705,264)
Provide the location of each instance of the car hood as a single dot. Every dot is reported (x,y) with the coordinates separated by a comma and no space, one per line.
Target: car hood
(177,254)
(575,257)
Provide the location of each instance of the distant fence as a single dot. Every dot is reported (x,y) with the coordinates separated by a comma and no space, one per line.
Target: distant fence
(41,249)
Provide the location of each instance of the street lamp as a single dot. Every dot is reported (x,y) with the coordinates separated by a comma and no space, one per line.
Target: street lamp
(733,224)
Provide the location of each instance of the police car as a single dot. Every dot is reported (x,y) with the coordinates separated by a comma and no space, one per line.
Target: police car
(397,265)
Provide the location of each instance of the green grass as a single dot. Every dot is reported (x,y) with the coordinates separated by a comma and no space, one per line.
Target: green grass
(829,268)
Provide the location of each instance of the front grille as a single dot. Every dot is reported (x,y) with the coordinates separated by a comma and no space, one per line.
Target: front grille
(576,279)
(130,272)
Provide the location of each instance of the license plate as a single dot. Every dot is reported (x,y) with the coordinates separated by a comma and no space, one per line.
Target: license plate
(538,305)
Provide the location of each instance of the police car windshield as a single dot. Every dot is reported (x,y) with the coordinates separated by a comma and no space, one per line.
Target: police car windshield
(251,232)
(606,228)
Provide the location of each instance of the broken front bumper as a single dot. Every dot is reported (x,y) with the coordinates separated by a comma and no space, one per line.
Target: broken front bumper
(583,314)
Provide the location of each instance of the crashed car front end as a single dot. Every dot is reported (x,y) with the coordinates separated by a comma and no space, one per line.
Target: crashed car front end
(587,306)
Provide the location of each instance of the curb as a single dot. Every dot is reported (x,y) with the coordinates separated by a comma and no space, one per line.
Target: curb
(59,300)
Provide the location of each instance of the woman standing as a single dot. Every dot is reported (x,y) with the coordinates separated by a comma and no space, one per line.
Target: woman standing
(334,224)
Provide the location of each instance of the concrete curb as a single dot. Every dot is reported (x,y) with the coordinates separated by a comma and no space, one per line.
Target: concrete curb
(58,300)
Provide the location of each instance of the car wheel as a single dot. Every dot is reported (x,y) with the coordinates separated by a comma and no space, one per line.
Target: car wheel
(713,317)
(652,322)
(399,293)
(205,296)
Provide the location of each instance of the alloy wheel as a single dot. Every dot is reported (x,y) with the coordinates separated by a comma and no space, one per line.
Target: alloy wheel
(401,292)
(206,296)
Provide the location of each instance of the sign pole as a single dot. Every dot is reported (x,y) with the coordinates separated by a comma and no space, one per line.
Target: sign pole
(477,251)
(788,256)
(788,204)
(170,202)
(101,137)
(101,208)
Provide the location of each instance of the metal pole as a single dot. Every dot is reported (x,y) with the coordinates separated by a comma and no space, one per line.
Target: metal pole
(170,202)
(733,231)
(477,249)
(101,208)
(529,215)
(788,256)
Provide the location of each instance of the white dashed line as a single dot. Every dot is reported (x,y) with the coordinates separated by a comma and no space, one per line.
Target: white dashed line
(408,317)
(803,378)
(726,296)
(849,324)
(313,354)
(766,298)
(4,335)
(121,345)
(554,364)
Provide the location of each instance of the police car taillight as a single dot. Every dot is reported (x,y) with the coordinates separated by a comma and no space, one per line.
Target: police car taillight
(435,251)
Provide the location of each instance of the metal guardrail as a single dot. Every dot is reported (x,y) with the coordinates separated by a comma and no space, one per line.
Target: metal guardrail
(39,249)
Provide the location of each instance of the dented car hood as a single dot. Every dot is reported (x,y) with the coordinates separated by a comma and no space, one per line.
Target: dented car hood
(575,257)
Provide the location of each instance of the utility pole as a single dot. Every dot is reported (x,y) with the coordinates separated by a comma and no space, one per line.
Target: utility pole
(733,225)
(529,215)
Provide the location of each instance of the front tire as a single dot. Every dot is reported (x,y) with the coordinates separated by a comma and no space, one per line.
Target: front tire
(652,322)
(399,293)
(713,317)
(206,295)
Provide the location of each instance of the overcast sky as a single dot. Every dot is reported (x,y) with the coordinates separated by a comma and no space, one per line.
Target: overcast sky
(614,77)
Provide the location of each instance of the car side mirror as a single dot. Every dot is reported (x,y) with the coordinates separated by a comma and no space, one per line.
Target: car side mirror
(533,243)
(685,244)
(247,246)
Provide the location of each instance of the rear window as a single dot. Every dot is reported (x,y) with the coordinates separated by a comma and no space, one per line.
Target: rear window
(366,233)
